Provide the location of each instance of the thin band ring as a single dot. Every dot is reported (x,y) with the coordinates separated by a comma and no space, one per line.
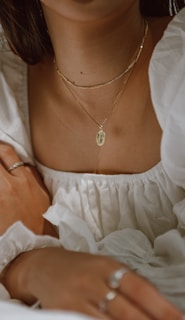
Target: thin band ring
(15,165)
(111,295)
(115,278)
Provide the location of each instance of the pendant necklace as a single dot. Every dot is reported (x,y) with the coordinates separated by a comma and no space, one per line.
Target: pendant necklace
(101,135)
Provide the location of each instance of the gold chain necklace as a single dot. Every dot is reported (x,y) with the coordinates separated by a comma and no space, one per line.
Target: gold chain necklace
(101,135)
(103,84)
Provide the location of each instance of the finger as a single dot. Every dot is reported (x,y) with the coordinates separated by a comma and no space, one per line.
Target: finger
(93,311)
(114,304)
(117,306)
(121,308)
(143,294)
(77,304)
(10,159)
(4,177)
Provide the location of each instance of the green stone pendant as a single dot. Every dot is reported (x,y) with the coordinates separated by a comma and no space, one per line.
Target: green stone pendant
(100,137)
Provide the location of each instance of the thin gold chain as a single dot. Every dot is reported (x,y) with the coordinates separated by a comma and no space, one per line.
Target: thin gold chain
(115,103)
(106,83)
(117,99)
(100,136)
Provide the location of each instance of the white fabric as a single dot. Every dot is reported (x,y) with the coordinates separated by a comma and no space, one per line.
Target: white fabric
(138,219)
(18,239)
(11,311)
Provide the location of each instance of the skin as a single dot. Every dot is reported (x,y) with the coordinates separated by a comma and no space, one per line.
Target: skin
(93,41)
(84,46)
(12,191)
(84,286)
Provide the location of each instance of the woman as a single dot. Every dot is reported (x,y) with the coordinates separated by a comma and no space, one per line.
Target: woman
(92,131)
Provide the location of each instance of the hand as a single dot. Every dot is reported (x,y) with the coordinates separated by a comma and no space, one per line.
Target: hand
(75,281)
(22,194)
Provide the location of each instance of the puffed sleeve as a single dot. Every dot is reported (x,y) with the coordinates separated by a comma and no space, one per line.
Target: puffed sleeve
(167,77)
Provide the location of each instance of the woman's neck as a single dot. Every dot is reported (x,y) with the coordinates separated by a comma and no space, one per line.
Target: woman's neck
(95,51)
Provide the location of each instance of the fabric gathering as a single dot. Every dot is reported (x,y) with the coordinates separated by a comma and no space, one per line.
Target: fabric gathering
(137,219)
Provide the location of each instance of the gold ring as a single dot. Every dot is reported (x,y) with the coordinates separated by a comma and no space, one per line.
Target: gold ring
(116,277)
(111,295)
(15,165)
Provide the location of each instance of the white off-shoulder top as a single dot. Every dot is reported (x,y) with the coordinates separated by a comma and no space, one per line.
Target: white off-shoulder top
(138,219)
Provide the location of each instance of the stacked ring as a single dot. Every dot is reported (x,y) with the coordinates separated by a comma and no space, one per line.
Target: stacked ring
(114,282)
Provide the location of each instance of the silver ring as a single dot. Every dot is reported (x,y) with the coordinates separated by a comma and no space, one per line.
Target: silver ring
(116,277)
(111,295)
(15,165)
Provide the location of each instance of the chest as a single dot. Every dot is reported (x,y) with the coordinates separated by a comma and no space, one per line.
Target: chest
(66,141)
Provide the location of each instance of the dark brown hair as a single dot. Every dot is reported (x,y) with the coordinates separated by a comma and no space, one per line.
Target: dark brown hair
(26,30)
(158,8)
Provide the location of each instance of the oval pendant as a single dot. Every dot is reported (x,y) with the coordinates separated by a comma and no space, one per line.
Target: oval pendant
(100,138)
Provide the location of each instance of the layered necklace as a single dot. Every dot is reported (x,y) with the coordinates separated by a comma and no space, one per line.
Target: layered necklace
(71,85)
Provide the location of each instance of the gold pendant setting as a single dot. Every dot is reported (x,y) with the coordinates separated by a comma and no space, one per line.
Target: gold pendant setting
(100,137)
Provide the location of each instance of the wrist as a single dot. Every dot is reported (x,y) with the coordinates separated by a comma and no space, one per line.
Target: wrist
(17,276)
(17,246)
